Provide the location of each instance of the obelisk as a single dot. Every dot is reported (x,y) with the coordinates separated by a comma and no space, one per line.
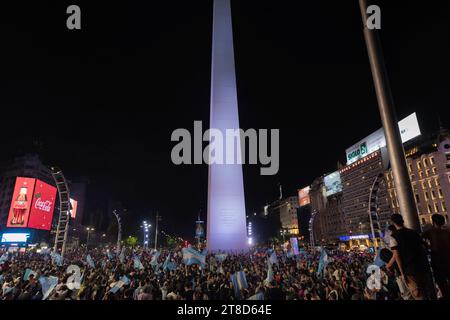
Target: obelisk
(226,227)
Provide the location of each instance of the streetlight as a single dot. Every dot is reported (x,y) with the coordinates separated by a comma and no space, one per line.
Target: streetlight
(89,229)
(146,227)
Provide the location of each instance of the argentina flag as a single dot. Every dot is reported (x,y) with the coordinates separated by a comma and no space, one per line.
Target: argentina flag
(239,282)
(4,258)
(323,262)
(138,264)
(48,284)
(169,265)
(154,261)
(269,273)
(221,257)
(273,258)
(28,273)
(56,259)
(122,255)
(192,256)
(89,261)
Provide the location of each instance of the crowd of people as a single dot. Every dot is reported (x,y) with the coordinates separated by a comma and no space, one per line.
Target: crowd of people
(271,273)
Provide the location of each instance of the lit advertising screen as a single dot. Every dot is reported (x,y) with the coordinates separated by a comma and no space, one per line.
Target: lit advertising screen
(21,203)
(332,183)
(409,129)
(73,210)
(303,197)
(42,206)
(15,237)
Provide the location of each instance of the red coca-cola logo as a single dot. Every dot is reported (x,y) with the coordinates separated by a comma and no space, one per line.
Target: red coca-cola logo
(43,205)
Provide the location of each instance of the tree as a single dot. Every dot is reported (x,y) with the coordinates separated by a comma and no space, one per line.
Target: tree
(171,242)
(131,241)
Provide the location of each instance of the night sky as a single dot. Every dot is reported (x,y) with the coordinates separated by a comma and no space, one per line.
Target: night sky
(104,101)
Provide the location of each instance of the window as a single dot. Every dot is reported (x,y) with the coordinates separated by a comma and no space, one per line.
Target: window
(436,208)
(433,194)
(434,170)
(421,175)
(429,184)
(440,193)
(425,162)
(419,166)
(429,208)
(423,185)
(413,177)
(432,160)
(443,207)
(410,167)
(417,198)
(427,172)
(426,196)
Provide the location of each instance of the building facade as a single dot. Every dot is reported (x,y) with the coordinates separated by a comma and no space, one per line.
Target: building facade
(327,217)
(357,181)
(429,171)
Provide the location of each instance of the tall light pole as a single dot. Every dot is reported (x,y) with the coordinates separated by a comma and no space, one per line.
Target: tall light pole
(146,228)
(156,230)
(390,125)
(89,229)
(119,231)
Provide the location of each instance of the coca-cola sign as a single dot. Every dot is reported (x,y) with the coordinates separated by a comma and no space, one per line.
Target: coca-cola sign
(21,203)
(43,205)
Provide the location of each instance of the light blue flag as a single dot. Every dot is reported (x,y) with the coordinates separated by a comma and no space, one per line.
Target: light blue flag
(28,273)
(56,259)
(122,255)
(258,296)
(90,261)
(290,253)
(273,258)
(48,284)
(169,265)
(269,273)
(46,251)
(221,257)
(4,258)
(377,261)
(192,256)
(125,280)
(323,262)
(154,260)
(239,282)
(138,264)
(109,254)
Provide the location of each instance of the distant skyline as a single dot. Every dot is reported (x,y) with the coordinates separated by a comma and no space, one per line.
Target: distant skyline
(137,71)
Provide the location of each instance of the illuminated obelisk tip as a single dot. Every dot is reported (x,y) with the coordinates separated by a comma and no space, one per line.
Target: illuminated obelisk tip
(226,228)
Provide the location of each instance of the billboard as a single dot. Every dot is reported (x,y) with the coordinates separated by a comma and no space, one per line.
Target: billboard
(14,237)
(73,208)
(303,196)
(42,206)
(21,203)
(332,183)
(409,129)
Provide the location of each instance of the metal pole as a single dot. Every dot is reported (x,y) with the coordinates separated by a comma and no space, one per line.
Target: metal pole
(390,125)
(87,240)
(156,231)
